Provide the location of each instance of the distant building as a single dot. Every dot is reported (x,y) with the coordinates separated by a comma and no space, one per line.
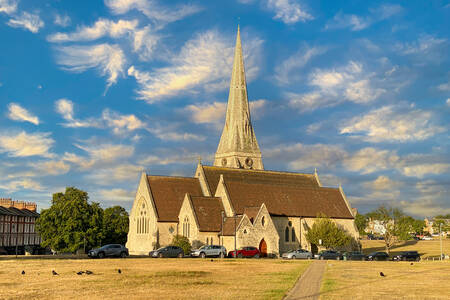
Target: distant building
(375,227)
(17,225)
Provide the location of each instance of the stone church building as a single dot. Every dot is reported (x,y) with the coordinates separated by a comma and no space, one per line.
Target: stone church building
(235,200)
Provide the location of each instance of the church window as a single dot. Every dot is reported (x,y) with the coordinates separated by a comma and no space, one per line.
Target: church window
(290,223)
(207,241)
(286,234)
(263,221)
(186,227)
(245,231)
(293,235)
(212,241)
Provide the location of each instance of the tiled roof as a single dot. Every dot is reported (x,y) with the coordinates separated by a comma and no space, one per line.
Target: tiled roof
(288,200)
(209,212)
(12,211)
(257,176)
(168,194)
(228,225)
(251,212)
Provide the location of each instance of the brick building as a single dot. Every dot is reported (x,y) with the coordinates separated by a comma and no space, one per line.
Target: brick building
(17,226)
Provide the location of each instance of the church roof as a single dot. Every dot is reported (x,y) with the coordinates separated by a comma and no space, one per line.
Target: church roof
(228,225)
(168,194)
(251,212)
(208,211)
(212,175)
(288,200)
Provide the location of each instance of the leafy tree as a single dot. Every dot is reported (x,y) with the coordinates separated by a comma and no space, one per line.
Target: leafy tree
(182,242)
(332,236)
(71,223)
(115,225)
(437,223)
(361,223)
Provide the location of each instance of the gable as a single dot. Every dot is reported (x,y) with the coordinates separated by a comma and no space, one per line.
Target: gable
(208,211)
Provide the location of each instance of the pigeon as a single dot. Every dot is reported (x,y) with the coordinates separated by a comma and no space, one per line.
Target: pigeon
(80,273)
(382,274)
(119,271)
(23,272)
(89,272)
(212,260)
(54,273)
(411,264)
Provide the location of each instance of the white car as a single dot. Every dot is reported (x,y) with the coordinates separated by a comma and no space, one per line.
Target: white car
(300,253)
(427,238)
(210,250)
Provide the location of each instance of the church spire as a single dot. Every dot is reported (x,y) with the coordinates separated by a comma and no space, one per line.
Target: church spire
(238,147)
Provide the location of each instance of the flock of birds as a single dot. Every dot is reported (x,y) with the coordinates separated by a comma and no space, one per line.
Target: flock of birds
(87,272)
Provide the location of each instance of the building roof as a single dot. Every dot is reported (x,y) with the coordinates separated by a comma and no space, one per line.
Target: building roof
(212,175)
(208,211)
(251,212)
(228,225)
(13,211)
(168,194)
(288,200)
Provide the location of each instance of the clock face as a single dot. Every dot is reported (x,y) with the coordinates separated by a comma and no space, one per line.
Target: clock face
(224,162)
(249,162)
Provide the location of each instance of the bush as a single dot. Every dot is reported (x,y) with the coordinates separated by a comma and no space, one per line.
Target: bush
(183,243)
(332,236)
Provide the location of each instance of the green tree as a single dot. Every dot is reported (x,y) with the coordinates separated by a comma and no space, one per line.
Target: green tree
(182,242)
(331,235)
(361,223)
(115,225)
(71,223)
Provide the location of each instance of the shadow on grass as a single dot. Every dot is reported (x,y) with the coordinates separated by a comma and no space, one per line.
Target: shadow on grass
(392,250)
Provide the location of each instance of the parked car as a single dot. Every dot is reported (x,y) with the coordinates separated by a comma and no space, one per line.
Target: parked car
(427,238)
(169,251)
(109,250)
(299,253)
(245,252)
(407,255)
(210,250)
(377,256)
(329,254)
(353,255)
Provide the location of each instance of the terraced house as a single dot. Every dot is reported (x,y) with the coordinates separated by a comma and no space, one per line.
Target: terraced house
(235,198)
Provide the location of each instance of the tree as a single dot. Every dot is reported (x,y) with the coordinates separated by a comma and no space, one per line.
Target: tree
(331,235)
(182,242)
(71,223)
(361,223)
(115,225)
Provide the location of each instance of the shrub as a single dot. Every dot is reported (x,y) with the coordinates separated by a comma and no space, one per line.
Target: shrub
(182,242)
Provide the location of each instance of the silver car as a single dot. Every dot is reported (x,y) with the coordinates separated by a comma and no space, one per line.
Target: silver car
(300,253)
(210,250)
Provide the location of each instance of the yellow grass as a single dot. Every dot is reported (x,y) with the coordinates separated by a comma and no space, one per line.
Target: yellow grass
(425,248)
(146,278)
(361,280)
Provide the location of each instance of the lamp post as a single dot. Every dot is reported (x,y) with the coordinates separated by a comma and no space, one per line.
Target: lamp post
(221,228)
(440,238)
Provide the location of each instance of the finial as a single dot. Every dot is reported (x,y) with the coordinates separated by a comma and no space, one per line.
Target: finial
(315,171)
(199,160)
(340,186)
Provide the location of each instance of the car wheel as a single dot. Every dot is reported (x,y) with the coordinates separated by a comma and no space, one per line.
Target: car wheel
(418,259)
(180,255)
(376,258)
(221,255)
(256,256)
(101,255)
(239,255)
(321,258)
(160,255)
(123,255)
(293,257)
(202,255)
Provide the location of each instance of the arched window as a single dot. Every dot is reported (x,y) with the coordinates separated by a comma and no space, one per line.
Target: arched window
(186,227)
(263,221)
(212,241)
(293,235)
(286,234)
(207,241)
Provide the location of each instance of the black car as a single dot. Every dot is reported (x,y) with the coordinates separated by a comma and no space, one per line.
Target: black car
(169,251)
(111,250)
(329,254)
(354,255)
(407,255)
(377,256)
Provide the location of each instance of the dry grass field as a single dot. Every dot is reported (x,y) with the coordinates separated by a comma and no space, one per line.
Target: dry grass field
(146,278)
(425,248)
(362,280)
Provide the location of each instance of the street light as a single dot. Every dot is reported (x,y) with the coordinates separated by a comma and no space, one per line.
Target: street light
(440,238)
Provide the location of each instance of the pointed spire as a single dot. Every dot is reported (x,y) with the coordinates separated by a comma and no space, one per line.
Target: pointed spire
(238,135)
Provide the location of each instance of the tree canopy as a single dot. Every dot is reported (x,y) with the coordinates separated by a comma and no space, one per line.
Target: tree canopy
(182,242)
(361,223)
(115,225)
(330,234)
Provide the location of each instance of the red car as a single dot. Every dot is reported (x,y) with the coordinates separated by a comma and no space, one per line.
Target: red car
(245,252)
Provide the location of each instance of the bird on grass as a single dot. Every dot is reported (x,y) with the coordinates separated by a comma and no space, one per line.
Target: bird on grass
(119,271)
(89,272)
(411,264)
(80,273)
(23,272)
(212,260)
(382,274)
(54,273)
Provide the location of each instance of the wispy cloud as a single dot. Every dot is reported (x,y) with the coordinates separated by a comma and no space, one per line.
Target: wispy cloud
(24,144)
(287,11)
(108,59)
(25,20)
(8,6)
(18,113)
(65,108)
(121,123)
(20,184)
(170,133)
(203,62)
(399,123)
(116,194)
(62,20)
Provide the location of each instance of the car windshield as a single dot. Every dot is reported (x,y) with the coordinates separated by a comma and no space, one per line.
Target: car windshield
(160,248)
(373,253)
(202,247)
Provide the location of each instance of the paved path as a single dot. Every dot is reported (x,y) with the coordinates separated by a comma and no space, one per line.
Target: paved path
(308,286)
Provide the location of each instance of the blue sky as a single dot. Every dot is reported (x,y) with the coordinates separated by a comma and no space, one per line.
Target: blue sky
(94,92)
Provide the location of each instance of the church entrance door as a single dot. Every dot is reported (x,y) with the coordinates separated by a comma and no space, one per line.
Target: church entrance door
(263,248)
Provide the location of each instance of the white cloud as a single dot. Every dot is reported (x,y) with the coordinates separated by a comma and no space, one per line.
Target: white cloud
(8,6)
(444,87)
(287,71)
(448,101)
(108,59)
(65,108)
(383,183)
(152,9)
(203,62)
(121,123)
(288,11)
(101,28)
(169,133)
(424,44)
(52,167)
(399,123)
(21,184)
(18,113)
(24,144)
(420,170)
(27,21)
(62,20)
(369,160)
(115,173)
(116,195)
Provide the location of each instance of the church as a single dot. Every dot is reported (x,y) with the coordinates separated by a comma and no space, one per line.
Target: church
(235,202)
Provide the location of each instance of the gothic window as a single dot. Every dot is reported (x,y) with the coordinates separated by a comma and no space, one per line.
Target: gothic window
(207,241)
(186,227)
(293,235)
(286,234)
(212,241)
(263,221)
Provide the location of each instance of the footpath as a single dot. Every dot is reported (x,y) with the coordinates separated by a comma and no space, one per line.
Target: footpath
(308,286)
